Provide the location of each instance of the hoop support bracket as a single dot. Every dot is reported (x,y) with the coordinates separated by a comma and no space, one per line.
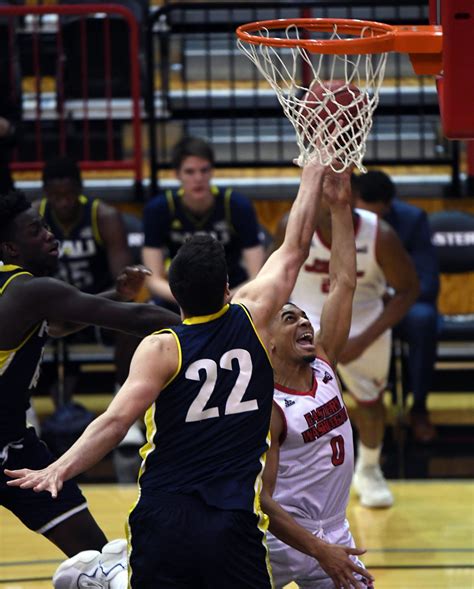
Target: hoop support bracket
(424,44)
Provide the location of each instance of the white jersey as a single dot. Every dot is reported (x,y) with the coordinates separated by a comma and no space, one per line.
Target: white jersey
(317,451)
(312,285)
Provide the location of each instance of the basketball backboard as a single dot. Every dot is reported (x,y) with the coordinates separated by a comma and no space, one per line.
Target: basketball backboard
(456,82)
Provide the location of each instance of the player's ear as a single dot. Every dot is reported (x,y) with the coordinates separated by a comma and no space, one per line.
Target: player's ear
(8,249)
(227,294)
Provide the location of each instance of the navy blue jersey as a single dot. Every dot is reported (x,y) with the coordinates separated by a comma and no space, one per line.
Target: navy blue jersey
(231,220)
(208,430)
(19,370)
(83,261)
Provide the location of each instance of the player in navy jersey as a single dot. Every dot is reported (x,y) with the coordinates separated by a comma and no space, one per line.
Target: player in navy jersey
(207,387)
(309,468)
(31,305)
(92,243)
(199,207)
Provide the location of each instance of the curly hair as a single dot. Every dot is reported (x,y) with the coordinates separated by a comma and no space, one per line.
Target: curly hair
(198,275)
(61,168)
(12,204)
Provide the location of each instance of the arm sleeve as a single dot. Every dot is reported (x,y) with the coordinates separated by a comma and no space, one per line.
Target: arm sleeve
(156,222)
(426,262)
(244,220)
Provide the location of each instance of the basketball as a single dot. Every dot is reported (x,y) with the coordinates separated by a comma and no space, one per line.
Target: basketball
(335,100)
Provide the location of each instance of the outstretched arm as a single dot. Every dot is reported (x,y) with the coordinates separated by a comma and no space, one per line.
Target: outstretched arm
(128,284)
(58,301)
(336,314)
(333,558)
(146,379)
(267,293)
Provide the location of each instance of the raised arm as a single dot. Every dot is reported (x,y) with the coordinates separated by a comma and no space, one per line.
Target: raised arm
(401,277)
(333,558)
(336,314)
(153,364)
(267,293)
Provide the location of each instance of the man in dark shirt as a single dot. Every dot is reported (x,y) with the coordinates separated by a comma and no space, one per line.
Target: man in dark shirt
(199,207)
(375,191)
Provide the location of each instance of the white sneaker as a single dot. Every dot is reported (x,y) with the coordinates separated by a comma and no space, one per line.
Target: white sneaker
(114,557)
(371,487)
(79,571)
(91,569)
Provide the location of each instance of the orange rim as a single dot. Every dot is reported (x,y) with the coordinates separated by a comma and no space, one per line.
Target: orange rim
(373,37)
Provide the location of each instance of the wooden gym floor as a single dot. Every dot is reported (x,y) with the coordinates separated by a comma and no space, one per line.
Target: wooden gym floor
(426,541)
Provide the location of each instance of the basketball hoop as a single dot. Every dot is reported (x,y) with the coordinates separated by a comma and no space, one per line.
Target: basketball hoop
(327,75)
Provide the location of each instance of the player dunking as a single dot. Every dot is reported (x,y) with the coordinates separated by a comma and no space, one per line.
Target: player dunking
(209,399)
(310,463)
(31,303)
(364,362)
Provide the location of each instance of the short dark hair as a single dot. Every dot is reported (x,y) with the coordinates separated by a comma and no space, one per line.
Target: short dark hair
(375,186)
(62,167)
(191,146)
(198,275)
(12,204)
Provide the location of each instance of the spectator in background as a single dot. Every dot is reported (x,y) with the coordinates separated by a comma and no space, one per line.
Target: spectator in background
(375,192)
(94,250)
(199,207)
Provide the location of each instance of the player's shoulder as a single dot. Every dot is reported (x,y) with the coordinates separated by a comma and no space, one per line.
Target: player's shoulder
(158,201)
(323,369)
(163,339)
(105,210)
(30,293)
(406,211)
(366,217)
(238,199)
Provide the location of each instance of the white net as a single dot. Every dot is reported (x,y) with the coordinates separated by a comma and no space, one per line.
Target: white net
(328,98)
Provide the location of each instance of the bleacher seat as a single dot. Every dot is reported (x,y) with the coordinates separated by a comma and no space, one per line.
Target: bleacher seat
(453,237)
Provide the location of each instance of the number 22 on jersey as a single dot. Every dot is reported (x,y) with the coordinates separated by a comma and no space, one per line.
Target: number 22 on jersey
(234,404)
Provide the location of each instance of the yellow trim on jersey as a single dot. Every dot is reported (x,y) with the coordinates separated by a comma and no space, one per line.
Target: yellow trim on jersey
(206,318)
(263,519)
(95,221)
(150,423)
(6,356)
(180,353)
(170,201)
(256,332)
(9,268)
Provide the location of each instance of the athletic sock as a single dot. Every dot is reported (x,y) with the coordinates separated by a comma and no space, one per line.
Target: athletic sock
(368,456)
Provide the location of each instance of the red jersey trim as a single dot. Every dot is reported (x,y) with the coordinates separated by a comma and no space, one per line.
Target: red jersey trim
(288,391)
(326,362)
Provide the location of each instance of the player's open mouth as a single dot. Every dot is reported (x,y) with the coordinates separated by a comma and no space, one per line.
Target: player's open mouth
(305,340)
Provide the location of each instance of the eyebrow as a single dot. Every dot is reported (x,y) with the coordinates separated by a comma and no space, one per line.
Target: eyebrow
(285,313)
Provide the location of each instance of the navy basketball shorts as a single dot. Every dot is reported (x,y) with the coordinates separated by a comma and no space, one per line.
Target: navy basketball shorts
(38,511)
(180,542)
